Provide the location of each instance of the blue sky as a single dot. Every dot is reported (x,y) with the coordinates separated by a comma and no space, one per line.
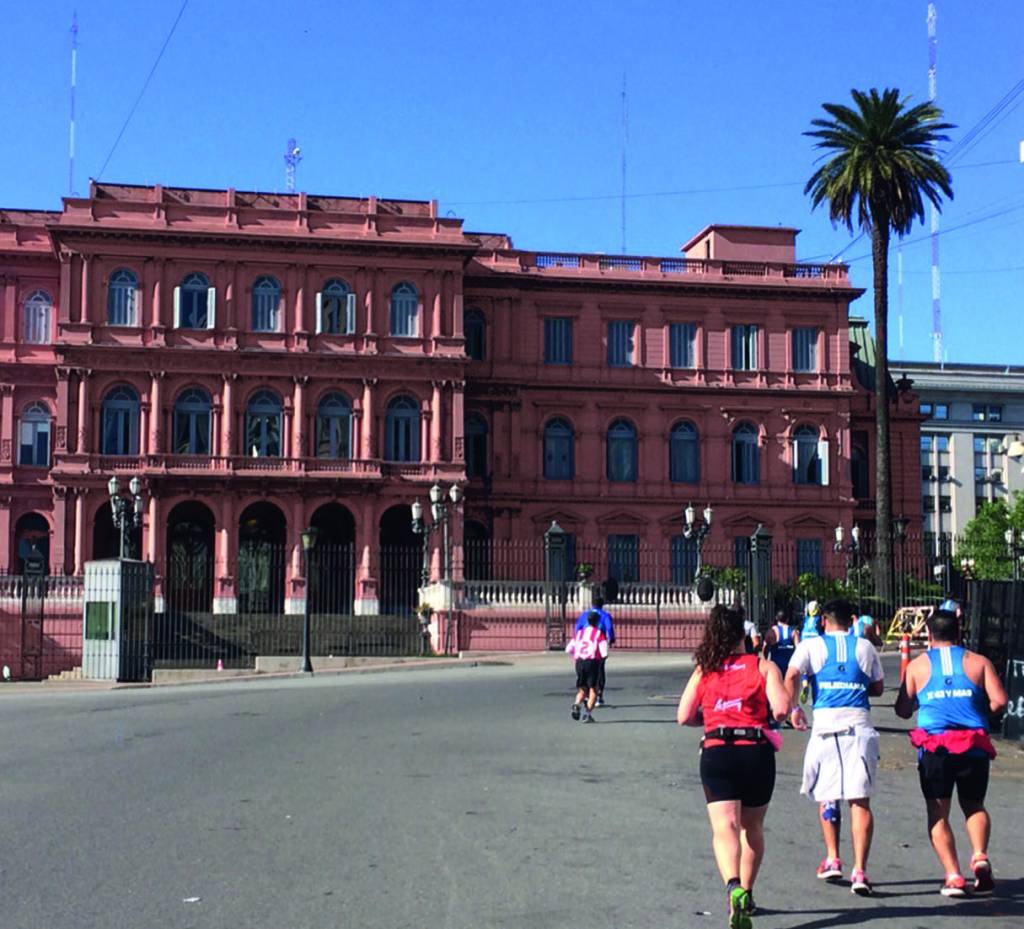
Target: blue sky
(511,116)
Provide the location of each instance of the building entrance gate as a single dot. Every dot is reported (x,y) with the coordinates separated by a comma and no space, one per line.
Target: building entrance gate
(33,599)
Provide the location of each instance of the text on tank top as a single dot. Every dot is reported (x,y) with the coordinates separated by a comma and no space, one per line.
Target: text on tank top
(841,682)
(950,699)
(734,696)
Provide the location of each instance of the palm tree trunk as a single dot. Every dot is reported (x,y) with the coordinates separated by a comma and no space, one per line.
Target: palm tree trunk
(883,465)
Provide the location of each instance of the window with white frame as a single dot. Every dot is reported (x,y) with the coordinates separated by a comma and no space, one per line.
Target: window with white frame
(263,425)
(681,338)
(744,347)
(621,349)
(122,298)
(266,304)
(36,311)
(194,300)
(805,349)
(405,301)
(402,430)
(810,457)
(989,469)
(34,436)
(987,413)
(336,309)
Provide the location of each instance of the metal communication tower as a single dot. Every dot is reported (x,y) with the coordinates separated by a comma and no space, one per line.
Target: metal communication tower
(936,288)
(625,140)
(74,80)
(291,161)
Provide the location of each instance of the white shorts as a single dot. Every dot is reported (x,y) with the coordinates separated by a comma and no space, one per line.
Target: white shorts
(841,766)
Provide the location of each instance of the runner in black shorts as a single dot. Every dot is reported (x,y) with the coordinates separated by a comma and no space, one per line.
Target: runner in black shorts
(731,690)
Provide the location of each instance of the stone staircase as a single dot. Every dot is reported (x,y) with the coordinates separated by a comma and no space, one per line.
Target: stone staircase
(75,674)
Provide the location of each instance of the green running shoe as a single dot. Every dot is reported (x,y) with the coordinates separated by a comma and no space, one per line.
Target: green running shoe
(739,909)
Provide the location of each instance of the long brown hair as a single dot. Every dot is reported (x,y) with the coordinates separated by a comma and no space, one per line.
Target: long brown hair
(722,632)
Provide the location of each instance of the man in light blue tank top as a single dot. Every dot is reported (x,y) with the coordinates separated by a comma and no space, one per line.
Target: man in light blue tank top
(842,752)
(954,691)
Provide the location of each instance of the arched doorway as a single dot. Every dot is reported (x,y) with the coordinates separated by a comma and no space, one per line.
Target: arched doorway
(31,534)
(262,558)
(401,562)
(189,573)
(106,539)
(332,578)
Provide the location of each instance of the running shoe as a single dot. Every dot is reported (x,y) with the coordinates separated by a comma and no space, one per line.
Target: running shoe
(955,886)
(589,719)
(859,884)
(739,909)
(600,701)
(830,869)
(575,711)
(984,883)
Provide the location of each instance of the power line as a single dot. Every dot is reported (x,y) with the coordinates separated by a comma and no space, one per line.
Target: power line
(138,99)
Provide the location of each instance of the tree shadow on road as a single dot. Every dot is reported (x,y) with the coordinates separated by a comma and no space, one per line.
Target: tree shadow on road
(1007,901)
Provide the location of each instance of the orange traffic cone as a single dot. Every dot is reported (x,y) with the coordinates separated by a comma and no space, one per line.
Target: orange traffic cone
(220,664)
(904,656)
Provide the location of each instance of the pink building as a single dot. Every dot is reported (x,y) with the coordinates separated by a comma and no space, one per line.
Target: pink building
(264,362)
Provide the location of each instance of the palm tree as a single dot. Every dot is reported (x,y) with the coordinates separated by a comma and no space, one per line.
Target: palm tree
(882,164)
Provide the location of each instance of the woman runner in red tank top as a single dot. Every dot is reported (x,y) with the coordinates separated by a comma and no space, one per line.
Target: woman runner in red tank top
(729,694)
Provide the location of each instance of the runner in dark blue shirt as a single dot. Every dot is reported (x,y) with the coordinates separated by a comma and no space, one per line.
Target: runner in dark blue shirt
(605,625)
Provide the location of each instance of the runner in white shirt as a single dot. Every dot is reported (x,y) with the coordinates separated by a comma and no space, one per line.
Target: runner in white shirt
(587,647)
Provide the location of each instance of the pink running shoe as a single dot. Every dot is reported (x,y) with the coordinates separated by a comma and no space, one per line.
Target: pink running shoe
(830,869)
(859,884)
(955,886)
(984,883)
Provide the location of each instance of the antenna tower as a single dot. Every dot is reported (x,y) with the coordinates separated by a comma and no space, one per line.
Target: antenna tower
(937,355)
(625,139)
(74,80)
(291,161)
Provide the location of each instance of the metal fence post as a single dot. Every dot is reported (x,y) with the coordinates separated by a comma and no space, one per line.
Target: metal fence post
(761,578)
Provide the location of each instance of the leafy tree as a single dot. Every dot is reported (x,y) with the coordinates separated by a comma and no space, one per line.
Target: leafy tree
(882,166)
(985,538)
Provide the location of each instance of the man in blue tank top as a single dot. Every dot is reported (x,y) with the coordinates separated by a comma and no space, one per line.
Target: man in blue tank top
(842,752)
(953,691)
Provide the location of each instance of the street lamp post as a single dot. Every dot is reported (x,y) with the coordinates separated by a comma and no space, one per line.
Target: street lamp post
(308,545)
(442,506)
(851,550)
(697,530)
(126,511)
(900,525)
(1015,548)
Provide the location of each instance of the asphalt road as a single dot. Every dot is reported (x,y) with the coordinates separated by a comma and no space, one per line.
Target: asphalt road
(458,799)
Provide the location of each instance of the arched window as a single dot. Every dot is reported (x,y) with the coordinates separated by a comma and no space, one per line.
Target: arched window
(336,309)
(192,423)
(684,454)
(266,302)
(746,457)
(859,473)
(622,451)
(402,430)
(193,303)
(559,464)
(35,327)
(34,436)
(32,540)
(334,427)
(807,459)
(122,296)
(263,425)
(404,309)
(475,327)
(120,422)
(476,446)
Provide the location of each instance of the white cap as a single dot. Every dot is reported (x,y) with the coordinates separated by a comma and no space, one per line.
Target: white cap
(812,608)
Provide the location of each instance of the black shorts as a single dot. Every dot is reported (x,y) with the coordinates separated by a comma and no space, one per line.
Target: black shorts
(940,771)
(587,672)
(738,772)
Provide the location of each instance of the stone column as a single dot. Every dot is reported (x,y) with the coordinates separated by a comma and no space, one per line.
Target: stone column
(426,430)
(435,424)
(458,423)
(60,441)
(227,416)
(157,322)
(152,529)
(299,449)
(79,556)
(85,303)
(6,424)
(295,579)
(367,602)
(369,444)
(156,414)
(10,309)
(58,551)
(225,598)
(6,542)
(299,326)
(82,440)
(64,297)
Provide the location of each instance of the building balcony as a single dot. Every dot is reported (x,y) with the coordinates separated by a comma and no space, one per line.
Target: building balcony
(356,469)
